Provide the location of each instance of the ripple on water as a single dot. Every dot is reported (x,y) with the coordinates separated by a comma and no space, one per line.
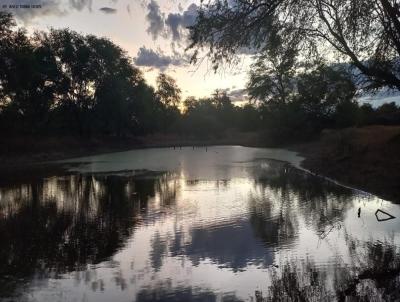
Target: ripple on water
(222,225)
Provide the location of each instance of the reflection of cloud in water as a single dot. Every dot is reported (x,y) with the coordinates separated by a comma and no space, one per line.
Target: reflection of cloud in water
(172,237)
(230,245)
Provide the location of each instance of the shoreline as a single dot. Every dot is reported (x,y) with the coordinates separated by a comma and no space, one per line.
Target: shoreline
(366,159)
(345,157)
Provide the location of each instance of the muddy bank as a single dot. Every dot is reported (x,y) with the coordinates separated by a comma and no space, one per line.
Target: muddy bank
(366,158)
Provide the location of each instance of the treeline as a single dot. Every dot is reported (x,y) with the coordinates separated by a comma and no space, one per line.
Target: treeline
(62,83)
(296,106)
(212,116)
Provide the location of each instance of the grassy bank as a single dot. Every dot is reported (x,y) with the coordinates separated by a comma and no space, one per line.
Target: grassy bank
(367,158)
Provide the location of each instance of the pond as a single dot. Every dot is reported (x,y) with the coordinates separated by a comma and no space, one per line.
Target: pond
(223,223)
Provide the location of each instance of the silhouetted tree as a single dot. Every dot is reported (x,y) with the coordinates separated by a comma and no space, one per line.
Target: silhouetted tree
(364,32)
(168,91)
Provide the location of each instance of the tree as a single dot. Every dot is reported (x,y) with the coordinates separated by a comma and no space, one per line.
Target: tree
(116,84)
(364,32)
(77,60)
(225,110)
(168,91)
(320,98)
(29,78)
(6,31)
(272,75)
(320,91)
(63,82)
(201,117)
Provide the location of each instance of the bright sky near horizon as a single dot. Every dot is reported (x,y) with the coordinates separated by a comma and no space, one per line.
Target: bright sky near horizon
(153,32)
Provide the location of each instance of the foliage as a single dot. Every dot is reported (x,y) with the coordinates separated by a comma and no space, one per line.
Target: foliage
(297,107)
(168,91)
(212,116)
(63,82)
(271,76)
(364,32)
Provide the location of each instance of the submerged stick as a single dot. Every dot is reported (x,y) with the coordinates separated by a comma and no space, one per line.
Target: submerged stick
(383,219)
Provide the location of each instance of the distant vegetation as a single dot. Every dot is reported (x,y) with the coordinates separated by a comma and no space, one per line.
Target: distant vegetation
(62,83)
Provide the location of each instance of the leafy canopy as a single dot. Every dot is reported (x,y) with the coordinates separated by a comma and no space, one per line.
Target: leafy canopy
(365,33)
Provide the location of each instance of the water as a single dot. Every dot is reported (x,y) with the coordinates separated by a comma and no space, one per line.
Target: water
(222,224)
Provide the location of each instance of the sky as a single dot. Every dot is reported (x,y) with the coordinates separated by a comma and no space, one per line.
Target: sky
(153,32)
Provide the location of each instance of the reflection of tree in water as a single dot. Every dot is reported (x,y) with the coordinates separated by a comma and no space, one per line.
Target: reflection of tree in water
(297,281)
(270,228)
(374,275)
(62,224)
(283,194)
(286,194)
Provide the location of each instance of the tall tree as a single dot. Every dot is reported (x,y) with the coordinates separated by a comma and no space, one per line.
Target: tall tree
(272,75)
(168,91)
(364,32)
(29,78)
(80,72)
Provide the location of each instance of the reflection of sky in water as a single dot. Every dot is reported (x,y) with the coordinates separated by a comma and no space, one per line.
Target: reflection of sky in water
(197,239)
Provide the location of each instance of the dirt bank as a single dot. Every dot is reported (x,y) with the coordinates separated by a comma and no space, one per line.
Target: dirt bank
(24,151)
(367,158)
(27,157)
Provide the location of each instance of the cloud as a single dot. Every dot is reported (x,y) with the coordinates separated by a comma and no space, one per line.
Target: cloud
(178,22)
(108,10)
(80,4)
(174,24)
(155,19)
(236,95)
(147,57)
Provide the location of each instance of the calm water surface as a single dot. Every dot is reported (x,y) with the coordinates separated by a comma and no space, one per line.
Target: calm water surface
(215,224)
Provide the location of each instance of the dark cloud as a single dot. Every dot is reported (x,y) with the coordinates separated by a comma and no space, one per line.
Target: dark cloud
(174,24)
(178,22)
(237,95)
(155,19)
(108,10)
(147,57)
